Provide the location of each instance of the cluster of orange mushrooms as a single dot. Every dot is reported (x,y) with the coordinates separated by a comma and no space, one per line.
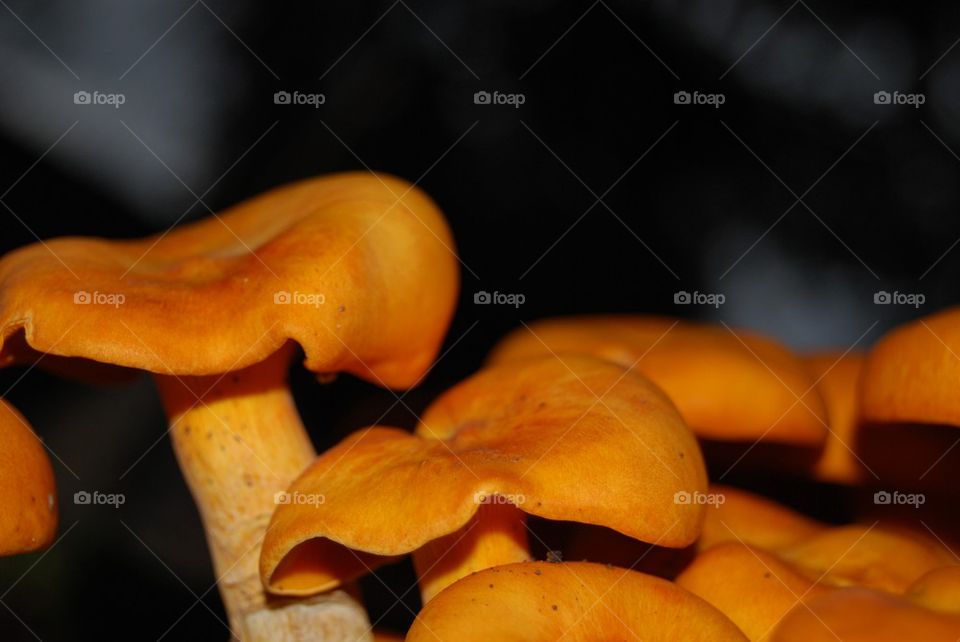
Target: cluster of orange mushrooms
(599,431)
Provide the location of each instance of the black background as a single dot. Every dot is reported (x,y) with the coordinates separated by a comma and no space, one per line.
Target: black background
(692,198)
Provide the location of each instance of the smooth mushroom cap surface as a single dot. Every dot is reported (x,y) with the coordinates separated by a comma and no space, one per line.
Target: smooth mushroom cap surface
(753,587)
(530,434)
(757,589)
(889,558)
(752,519)
(837,376)
(323,262)
(729,385)
(576,601)
(870,556)
(910,374)
(28,494)
(865,615)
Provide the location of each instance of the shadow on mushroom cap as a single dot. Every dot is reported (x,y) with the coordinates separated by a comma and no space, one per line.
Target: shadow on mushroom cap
(533,434)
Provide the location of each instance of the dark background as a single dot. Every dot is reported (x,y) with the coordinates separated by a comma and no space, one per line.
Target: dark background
(692,198)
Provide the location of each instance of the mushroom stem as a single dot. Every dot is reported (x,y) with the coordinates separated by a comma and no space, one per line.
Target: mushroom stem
(494,536)
(240,442)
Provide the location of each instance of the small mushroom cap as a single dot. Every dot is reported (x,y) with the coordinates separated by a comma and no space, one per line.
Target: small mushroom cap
(357,268)
(574,439)
(729,386)
(910,373)
(753,587)
(864,615)
(868,556)
(755,520)
(837,376)
(28,496)
(575,601)
(379,635)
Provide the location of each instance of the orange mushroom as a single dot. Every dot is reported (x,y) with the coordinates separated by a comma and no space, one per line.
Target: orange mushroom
(573,439)
(908,380)
(864,615)
(909,374)
(871,555)
(751,586)
(837,377)
(734,515)
(728,385)
(28,497)
(355,268)
(575,601)
(758,588)
(755,520)
(929,610)
(888,559)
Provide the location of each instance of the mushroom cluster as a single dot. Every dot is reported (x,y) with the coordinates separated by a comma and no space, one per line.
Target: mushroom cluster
(606,477)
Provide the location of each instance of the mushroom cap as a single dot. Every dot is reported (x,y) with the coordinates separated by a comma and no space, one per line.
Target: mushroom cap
(575,601)
(576,439)
(28,495)
(910,374)
(868,556)
(357,268)
(837,376)
(728,385)
(754,520)
(753,587)
(886,558)
(864,615)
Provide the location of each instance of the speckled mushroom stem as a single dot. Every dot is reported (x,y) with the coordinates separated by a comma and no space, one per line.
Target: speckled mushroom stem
(496,535)
(240,441)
